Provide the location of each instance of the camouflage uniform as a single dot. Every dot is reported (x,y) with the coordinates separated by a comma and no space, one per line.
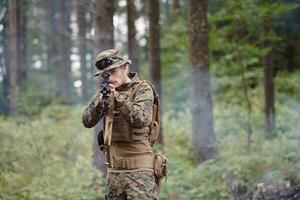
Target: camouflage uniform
(128,183)
(131,185)
(137,112)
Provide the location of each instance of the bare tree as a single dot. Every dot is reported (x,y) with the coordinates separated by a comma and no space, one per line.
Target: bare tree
(268,77)
(82,41)
(13,52)
(104,29)
(104,39)
(5,58)
(203,137)
(51,35)
(22,42)
(132,42)
(64,43)
(59,44)
(154,49)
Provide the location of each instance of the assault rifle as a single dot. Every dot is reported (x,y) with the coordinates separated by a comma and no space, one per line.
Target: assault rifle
(104,137)
(104,90)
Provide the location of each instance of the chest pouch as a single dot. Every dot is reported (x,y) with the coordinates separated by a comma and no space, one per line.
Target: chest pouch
(121,129)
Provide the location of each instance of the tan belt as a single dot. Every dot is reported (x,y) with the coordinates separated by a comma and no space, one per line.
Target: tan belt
(145,161)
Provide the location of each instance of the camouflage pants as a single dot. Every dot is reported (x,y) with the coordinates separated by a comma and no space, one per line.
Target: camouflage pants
(131,185)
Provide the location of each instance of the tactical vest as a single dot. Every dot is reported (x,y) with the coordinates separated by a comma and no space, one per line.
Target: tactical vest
(122,132)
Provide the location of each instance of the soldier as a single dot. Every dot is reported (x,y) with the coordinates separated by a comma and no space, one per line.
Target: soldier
(130,172)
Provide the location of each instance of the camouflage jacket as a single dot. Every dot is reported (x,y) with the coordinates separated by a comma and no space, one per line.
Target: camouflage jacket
(137,113)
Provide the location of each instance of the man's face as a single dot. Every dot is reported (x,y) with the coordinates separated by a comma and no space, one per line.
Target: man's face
(117,76)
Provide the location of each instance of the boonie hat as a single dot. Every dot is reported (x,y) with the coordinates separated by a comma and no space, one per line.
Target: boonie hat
(109,59)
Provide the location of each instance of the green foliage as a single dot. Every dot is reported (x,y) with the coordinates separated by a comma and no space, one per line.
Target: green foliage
(237,36)
(47,157)
(45,154)
(288,84)
(39,91)
(268,160)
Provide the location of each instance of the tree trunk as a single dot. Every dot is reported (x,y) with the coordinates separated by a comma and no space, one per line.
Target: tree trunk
(176,9)
(90,47)
(22,66)
(13,52)
(132,42)
(104,39)
(104,29)
(268,78)
(269,92)
(203,137)
(154,50)
(81,20)
(64,33)
(176,4)
(5,59)
(51,37)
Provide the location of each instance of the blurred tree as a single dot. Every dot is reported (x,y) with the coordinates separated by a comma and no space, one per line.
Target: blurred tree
(133,50)
(154,50)
(104,39)
(242,50)
(51,36)
(289,57)
(176,9)
(64,46)
(82,43)
(267,62)
(90,5)
(59,44)
(13,56)
(104,29)
(4,66)
(22,42)
(239,31)
(203,137)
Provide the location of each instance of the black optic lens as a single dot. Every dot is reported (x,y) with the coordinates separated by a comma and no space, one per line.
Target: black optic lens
(103,63)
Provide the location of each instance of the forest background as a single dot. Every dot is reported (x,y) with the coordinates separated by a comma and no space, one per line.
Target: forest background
(227,72)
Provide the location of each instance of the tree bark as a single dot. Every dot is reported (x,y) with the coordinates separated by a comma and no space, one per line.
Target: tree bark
(203,137)
(64,33)
(5,59)
(90,46)
(269,92)
(50,8)
(13,52)
(104,39)
(132,42)
(154,50)
(176,9)
(268,78)
(81,20)
(104,29)
(22,66)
